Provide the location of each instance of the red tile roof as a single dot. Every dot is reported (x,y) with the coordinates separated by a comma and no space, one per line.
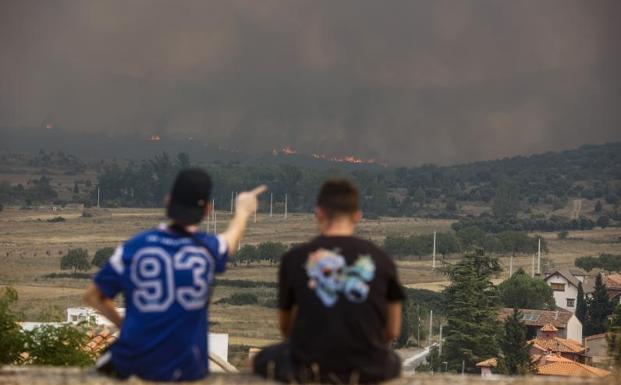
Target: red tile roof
(489,363)
(557,345)
(568,368)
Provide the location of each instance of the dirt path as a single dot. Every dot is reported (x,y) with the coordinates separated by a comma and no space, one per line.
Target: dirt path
(575,213)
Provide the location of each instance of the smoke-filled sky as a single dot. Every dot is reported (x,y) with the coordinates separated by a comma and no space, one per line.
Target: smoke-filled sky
(405,82)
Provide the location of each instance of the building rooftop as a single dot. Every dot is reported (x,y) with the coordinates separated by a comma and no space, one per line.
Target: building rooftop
(549,328)
(569,368)
(531,317)
(489,363)
(557,345)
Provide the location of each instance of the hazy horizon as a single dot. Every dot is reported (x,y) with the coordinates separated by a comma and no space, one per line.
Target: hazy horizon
(403,82)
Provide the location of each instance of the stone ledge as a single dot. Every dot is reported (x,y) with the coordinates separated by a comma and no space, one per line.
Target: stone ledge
(72,376)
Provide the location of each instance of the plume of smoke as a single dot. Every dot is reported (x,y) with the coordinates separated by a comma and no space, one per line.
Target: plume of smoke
(406,82)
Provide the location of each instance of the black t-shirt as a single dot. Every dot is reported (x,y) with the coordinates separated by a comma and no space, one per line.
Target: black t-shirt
(342,287)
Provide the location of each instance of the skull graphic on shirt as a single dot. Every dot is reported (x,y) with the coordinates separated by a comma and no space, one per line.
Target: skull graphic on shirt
(329,275)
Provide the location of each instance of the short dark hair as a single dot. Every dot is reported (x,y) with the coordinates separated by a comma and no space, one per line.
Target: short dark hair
(338,197)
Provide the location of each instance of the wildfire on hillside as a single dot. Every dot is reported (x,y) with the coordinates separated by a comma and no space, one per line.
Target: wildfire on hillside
(287,150)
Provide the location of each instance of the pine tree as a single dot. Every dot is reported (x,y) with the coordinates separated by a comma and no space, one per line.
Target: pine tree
(515,348)
(600,308)
(471,309)
(581,306)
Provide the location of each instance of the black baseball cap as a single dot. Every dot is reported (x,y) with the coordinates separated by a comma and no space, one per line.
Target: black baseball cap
(189,196)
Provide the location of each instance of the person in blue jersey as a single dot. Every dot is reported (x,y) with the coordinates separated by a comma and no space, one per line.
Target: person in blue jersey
(165,276)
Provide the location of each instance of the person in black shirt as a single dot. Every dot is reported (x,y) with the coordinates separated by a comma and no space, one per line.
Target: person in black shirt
(339,302)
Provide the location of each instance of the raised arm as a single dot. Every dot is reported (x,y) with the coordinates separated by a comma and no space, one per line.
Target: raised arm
(95,299)
(245,205)
(393,322)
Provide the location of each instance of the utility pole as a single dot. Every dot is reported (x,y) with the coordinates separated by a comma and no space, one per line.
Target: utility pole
(533,266)
(285,206)
(213,206)
(433,264)
(271,203)
(98,196)
(440,348)
(232,202)
(539,257)
(430,326)
(418,325)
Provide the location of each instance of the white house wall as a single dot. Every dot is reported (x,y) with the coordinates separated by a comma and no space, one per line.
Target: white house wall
(574,329)
(560,297)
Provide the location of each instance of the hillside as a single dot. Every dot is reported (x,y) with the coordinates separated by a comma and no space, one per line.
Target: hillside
(568,183)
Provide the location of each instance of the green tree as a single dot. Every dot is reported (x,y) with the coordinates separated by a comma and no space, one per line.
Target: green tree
(600,308)
(506,201)
(406,323)
(515,359)
(76,259)
(11,338)
(521,291)
(101,256)
(598,207)
(614,339)
(616,318)
(603,221)
(271,251)
(472,305)
(247,254)
(59,346)
(581,306)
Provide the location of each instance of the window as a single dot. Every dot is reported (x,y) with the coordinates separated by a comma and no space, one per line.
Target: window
(558,286)
(74,318)
(571,302)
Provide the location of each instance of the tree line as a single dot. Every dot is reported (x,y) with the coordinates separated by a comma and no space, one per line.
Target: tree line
(604,261)
(509,186)
(514,242)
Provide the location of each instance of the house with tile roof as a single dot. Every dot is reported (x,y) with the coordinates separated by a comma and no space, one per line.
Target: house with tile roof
(566,322)
(556,365)
(547,342)
(613,286)
(564,284)
(553,356)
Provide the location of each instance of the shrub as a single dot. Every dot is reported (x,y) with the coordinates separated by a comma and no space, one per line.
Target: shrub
(56,220)
(11,338)
(240,299)
(101,256)
(58,346)
(76,259)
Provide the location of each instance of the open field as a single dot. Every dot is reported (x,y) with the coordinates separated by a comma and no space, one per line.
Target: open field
(31,247)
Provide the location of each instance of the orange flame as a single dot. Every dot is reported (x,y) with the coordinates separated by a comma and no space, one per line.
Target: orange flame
(342,159)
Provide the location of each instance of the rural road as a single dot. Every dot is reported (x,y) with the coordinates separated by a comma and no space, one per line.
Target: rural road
(575,213)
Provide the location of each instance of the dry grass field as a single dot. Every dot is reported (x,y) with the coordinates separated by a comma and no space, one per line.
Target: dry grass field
(31,247)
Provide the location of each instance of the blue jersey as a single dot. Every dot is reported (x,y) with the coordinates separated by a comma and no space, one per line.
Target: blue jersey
(165,278)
